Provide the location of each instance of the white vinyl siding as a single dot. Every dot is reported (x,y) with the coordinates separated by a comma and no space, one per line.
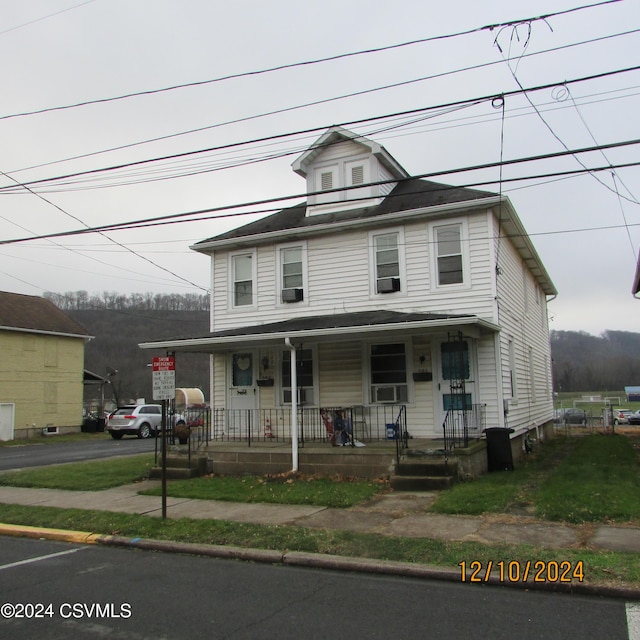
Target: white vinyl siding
(340,277)
(340,374)
(532,403)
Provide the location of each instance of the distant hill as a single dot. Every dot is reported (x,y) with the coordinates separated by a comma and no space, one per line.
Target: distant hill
(119,323)
(115,344)
(582,362)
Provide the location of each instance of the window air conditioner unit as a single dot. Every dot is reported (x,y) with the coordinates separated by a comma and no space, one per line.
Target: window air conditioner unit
(386,394)
(292,295)
(388,285)
(302,396)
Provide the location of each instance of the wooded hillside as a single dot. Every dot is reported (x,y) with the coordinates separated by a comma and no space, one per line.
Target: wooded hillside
(119,323)
(581,362)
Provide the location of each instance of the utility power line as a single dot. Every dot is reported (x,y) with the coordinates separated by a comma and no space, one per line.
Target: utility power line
(304,63)
(173,218)
(486,98)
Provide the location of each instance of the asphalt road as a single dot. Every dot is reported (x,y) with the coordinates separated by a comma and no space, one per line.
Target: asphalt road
(58,590)
(36,455)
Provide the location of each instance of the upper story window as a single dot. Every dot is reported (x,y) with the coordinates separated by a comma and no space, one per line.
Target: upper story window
(292,272)
(387,266)
(243,277)
(292,275)
(387,263)
(449,258)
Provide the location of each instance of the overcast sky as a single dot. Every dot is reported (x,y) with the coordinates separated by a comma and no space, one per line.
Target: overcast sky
(57,53)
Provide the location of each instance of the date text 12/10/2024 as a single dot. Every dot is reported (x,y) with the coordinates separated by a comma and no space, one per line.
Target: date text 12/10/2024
(515,571)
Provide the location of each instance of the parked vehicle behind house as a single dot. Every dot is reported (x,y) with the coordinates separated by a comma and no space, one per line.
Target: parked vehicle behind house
(634,418)
(622,416)
(575,416)
(138,420)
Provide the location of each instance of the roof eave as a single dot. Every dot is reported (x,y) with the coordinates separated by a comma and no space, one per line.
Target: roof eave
(226,342)
(321,228)
(59,334)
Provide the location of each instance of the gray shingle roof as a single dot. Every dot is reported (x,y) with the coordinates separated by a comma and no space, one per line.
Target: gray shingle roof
(371,319)
(408,194)
(33,313)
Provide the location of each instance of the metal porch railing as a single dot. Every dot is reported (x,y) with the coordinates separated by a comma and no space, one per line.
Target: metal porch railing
(363,423)
(460,426)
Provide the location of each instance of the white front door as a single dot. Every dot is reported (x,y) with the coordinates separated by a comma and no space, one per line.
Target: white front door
(7,411)
(243,394)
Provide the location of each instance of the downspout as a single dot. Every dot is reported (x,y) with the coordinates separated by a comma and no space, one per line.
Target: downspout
(294,407)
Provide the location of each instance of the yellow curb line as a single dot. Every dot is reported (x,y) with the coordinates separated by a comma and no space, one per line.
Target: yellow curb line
(81,537)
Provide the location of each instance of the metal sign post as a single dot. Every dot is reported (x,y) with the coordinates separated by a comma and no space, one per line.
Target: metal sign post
(164,388)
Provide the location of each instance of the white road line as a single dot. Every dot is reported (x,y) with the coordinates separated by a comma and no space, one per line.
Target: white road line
(633,620)
(39,558)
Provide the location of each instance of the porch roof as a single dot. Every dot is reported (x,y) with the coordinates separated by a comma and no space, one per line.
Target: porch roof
(334,327)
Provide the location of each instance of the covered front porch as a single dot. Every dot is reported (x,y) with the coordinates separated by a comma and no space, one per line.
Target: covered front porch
(354,379)
(377,443)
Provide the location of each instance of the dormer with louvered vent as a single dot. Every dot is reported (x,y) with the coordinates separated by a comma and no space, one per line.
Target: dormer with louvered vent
(338,163)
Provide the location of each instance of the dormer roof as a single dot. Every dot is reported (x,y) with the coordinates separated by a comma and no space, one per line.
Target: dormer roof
(335,135)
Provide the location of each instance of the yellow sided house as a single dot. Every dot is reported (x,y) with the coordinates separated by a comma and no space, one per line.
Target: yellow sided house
(41,376)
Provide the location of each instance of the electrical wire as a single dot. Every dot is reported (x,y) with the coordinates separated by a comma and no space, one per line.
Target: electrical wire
(486,98)
(172,218)
(313,103)
(304,63)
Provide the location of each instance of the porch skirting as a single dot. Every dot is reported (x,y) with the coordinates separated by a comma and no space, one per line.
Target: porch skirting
(313,459)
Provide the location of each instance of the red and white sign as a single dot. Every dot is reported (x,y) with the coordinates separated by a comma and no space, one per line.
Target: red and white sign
(164,378)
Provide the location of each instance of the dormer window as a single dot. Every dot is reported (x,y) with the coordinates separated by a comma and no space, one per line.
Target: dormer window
(345,170)
(357,175)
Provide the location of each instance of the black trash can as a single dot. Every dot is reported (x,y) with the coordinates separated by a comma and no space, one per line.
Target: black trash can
(89,424)
(499,454)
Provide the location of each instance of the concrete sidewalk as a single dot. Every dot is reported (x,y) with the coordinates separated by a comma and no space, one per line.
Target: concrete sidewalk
(397,514)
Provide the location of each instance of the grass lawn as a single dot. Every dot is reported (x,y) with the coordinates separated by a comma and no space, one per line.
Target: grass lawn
(581,479)
(92,475)
(326,492)
(600,567)
(595,478)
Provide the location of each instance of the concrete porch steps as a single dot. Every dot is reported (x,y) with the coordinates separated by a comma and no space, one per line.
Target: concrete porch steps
(427,473)
(179,466)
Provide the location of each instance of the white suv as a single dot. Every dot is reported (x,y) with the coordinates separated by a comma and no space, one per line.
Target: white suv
(140,420)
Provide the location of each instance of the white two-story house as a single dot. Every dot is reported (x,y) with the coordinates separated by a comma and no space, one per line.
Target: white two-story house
(395,296)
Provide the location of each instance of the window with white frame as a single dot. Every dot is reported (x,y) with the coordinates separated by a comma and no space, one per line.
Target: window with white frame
(304,376)
(242,268)
(387,262)
(388,371)
(449,258)
(292,273)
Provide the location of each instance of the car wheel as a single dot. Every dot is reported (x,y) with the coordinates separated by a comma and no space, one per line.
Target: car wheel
(584,423)
(144,431)
(115,435)
(615,423)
